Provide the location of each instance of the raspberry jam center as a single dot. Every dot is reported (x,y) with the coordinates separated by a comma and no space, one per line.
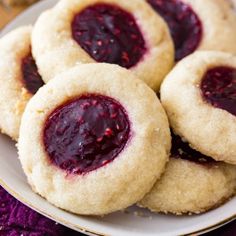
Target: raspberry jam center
(182,150)
(184,24)
(31,78)
(86,133)
(109,34)
(219,88)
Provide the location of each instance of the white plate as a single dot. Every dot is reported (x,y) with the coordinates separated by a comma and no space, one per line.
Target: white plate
(120,223)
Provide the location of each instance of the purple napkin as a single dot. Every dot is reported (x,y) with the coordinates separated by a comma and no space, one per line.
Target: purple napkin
(227,230)
(18,220)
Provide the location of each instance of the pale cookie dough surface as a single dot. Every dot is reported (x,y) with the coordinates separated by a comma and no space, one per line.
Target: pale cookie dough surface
(219,24)
(199,25)
(187,187)
(120,183)
(14,96)
(55,50)
(210,130)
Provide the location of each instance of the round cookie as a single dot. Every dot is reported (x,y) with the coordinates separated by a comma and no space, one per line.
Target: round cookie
(199,97)
(127,33)
(87,137)
(198,25)
(192,183)
(19,78)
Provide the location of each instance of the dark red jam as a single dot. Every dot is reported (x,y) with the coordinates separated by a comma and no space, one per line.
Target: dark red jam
(182,150)
(31,78)
(109,34)
(219,88)
(184,24)
(86,133)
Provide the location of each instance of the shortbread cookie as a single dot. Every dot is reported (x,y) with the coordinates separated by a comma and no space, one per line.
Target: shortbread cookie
(19,78)
(199,97)
(192,183)
(199,25)
(87,137)
(126,33)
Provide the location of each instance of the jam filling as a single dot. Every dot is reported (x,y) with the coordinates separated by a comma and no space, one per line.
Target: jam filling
(218,88)
(182,150)
(185,26)
(86,133)
(109,34)
(31,78)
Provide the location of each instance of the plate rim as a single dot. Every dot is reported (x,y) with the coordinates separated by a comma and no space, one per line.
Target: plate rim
(4,30)
(17,196)
(87,231)
(77,227)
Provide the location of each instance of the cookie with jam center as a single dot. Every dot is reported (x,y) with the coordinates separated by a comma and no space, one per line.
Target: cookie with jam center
(19,78)
(89,134)
(198,25)
(199,97)
(192,183)
(126,33)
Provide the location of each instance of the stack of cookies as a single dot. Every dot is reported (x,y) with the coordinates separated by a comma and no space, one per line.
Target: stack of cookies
(115,103)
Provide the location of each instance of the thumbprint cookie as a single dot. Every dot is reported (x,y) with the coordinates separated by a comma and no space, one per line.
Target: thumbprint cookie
(94,139)
(199,97)
(198,25)
(19,78)
(192,183)
(127,33)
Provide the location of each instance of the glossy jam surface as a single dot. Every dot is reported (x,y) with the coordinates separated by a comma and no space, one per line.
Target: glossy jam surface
(182,150)
(86,133)
(185,26)
(31,78)
(218,88)
(109,34)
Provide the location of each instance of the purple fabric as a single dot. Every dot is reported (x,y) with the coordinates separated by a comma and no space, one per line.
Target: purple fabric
(18,220)
(227,230)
